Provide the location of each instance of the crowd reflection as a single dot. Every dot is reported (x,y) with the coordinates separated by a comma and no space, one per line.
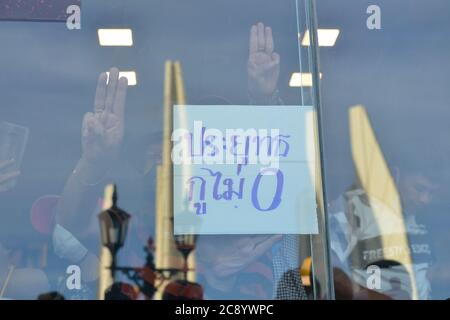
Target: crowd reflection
(228,266)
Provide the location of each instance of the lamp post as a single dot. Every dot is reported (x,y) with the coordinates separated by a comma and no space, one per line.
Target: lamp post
(113,229)
(185,245)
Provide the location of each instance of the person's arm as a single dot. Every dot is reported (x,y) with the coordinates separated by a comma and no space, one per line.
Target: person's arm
(79,197)
(102,134)
(224,258)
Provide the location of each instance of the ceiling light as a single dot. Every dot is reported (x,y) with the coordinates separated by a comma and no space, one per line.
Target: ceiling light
(301,80)
(327,37)
(115,37)
(130,75)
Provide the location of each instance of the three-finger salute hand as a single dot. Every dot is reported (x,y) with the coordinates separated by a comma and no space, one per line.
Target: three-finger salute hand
(263,63)
(103,129)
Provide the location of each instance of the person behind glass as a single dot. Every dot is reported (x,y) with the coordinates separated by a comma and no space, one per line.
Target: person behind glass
(51,296)
(121,291)
(75,236)
(101,141)
(17,282)
(353,228)
(253,266)
(102,134)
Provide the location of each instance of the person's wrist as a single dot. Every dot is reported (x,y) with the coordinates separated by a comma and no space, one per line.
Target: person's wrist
(90,173)
(264,98)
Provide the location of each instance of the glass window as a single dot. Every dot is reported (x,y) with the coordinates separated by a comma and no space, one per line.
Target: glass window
(385,127)
(87,95)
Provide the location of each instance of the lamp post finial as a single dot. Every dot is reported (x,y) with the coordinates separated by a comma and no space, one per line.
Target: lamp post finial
(114,196)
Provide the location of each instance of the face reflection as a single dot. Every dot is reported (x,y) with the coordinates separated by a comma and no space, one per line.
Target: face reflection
(416,191)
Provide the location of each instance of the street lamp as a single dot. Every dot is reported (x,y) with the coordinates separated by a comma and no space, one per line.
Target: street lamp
(185,245)
(113,228)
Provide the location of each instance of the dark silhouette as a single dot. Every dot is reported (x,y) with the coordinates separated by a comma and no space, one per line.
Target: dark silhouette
(51,296)
(291,287)
(183,290)
(121,291)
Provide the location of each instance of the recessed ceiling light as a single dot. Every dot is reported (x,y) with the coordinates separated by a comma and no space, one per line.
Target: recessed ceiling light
(115,37)
(130,75)
(327,37)
(301,79)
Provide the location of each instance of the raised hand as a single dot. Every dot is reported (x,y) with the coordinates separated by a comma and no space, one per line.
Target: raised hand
(102,130)
(235,253)
(263,63)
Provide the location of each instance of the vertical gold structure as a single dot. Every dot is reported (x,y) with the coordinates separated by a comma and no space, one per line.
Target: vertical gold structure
(375,178)
(105,259)
(181,100)
(180,94)
(167,255)
(316,242)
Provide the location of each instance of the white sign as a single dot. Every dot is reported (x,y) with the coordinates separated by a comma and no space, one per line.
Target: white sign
(244,170)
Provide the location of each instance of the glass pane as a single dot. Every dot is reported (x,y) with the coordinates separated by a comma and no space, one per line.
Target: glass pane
(91,94)
(384,120)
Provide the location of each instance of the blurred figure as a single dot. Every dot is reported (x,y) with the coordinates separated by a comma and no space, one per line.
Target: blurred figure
(102,134)
(102,137)
(51,296)
(291,287)
(16,281)
(183,290)
(20,282)
(397,290)
(243,266)
(121,291)
(236,266)
(356,238)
